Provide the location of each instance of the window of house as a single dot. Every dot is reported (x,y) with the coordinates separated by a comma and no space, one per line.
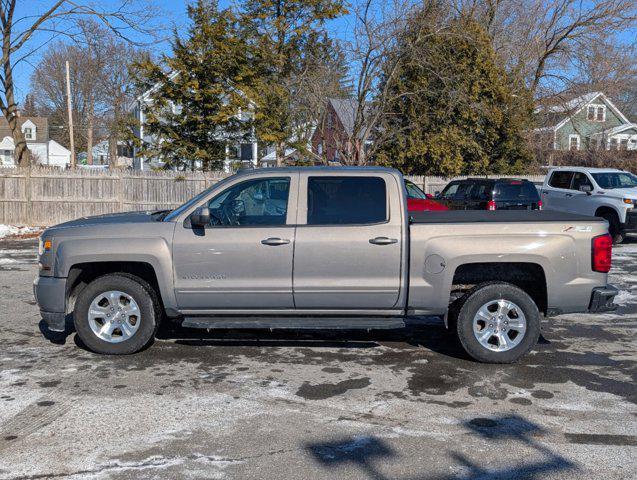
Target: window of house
(573,142)
(613,144)
(601,113)
(346,200)
(623,144)
(28,134)
(591,113)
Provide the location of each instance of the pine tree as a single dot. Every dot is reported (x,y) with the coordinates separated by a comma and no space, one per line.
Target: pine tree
(454,108)
(284,34)
(200,91)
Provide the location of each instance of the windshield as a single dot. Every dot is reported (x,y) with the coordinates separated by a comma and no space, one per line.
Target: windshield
(413,191)
(612,180)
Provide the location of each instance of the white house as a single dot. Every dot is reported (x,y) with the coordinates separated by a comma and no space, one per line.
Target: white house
(245,153)
(36,134)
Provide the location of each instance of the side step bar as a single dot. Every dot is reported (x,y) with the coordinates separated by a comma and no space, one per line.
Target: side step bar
(295,323)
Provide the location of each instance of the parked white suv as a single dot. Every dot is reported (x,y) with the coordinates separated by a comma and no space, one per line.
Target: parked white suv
(602,192)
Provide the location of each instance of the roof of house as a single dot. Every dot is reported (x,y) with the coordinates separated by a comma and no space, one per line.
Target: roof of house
(559,112)
(618,129)
(346,109)
(41,125)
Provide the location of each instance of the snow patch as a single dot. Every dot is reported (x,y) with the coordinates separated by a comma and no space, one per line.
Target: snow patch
(12,230)
(624,297)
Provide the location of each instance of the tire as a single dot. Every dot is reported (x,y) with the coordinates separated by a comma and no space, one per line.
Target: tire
(142,322)
(614,229)
(518,344)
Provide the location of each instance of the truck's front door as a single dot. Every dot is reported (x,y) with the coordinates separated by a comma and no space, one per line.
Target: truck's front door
(348,242)
(243,258)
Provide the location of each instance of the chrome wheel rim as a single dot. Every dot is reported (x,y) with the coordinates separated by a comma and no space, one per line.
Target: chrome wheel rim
(114,316)
(499,325)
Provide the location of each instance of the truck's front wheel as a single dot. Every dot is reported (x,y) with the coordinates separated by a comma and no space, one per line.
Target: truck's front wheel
(116,314)
(498,323)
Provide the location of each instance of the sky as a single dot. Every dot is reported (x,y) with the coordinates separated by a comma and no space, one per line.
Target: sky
(172,13)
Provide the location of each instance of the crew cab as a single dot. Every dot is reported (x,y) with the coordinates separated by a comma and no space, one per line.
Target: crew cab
(313,248)
(601,192)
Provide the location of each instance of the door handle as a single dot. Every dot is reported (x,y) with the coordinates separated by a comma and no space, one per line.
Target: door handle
(568,195)
(383,240)
(274,241)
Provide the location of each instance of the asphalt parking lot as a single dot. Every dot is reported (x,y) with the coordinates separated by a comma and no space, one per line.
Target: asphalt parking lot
(381,405)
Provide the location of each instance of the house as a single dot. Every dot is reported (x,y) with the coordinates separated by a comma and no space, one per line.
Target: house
(102,154)
(586,122)
(36,134)
(333,138)
(243,153)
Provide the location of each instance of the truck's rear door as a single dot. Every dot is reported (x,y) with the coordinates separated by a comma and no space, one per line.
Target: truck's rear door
(349,241)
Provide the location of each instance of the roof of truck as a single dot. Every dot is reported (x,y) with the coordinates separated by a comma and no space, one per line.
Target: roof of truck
(248,171)
(587,169)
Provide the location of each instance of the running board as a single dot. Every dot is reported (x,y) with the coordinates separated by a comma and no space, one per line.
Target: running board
(295,323)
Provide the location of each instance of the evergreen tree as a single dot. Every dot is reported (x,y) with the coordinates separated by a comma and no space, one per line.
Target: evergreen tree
(453,109)
(194,108)
(284,35)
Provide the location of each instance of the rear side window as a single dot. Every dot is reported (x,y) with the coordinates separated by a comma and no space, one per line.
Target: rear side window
(561,180)
(481,191)
(516,191)
(346,200)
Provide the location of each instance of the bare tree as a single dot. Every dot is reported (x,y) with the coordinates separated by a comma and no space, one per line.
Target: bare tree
(373,55)
(55,18)
(540,39)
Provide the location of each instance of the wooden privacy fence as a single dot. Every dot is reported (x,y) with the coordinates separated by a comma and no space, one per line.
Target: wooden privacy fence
(47,196)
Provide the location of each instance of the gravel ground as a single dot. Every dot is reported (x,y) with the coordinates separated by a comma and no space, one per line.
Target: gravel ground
(387,405)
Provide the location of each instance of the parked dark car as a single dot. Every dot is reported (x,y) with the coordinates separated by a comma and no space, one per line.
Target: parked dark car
(490,194)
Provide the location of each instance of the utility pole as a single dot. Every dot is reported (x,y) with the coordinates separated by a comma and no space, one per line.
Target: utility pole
(68,106)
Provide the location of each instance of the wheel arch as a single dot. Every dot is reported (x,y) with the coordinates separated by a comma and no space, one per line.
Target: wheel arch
(528,276)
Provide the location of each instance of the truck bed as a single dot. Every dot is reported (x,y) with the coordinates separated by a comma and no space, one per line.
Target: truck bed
(503,216)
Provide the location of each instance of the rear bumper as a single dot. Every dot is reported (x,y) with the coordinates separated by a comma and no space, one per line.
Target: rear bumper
(602,299)
(50,295)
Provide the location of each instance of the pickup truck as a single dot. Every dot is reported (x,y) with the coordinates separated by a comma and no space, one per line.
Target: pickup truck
(602,192)
(321,248)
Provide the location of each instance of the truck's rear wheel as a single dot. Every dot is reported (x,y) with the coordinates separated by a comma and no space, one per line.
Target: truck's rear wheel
(116,314)
(498,323)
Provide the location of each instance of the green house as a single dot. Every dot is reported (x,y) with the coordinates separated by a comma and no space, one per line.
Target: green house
(587,122)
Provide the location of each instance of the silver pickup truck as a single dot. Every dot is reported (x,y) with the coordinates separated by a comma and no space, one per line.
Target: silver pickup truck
(331,248)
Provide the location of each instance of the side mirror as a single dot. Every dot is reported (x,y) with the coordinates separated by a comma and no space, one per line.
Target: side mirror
(437,193)
(200,217)
(586,188)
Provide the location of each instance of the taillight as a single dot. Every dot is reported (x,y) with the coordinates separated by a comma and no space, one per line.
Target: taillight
(539,204)
(602,253)
(491,205)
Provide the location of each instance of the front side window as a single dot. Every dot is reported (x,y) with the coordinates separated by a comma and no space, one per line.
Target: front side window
(346,200)
(450,191)
(259,202)
(561,180)
(580,180)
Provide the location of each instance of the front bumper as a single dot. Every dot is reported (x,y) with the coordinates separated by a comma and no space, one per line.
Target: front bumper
(631,222)
(50,295)
(602,299)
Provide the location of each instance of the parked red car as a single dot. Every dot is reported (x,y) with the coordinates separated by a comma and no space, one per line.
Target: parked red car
(419,201)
